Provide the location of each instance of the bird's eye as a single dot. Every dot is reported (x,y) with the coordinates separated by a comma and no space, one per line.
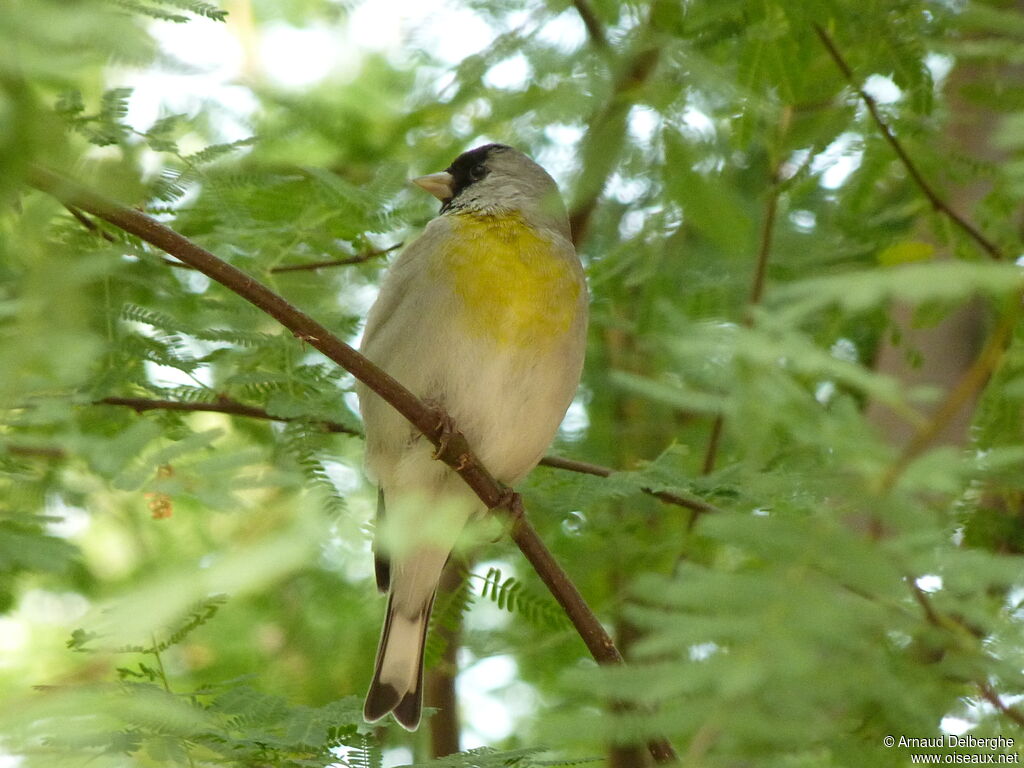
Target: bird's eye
(477,172)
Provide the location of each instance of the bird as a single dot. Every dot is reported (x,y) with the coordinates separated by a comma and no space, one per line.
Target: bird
(483,317)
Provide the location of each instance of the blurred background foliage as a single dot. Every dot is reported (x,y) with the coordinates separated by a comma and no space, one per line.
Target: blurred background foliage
(789,324)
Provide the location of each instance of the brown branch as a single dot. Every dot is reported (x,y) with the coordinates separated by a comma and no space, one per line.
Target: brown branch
(456,453)
(301,324)
(586,468)
(439,687)
(89,224)
(948,623)
(359,258)
(936,201)
(714,440)
(970,384)
(36,451)
(593,25)
(992,697)
(921,597)
(764,249)
(607,127)
(220,405)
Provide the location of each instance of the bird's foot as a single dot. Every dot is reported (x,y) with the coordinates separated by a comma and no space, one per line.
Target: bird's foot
(451,448)
(512,502)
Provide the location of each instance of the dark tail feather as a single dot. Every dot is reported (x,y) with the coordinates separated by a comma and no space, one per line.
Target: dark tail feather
(407,711)
(381,564)
(382,698)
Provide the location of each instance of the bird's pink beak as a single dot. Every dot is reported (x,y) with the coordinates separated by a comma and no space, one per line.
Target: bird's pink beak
(440,185)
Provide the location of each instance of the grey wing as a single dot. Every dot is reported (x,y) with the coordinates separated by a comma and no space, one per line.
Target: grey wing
(405,334)
(397,289)
(385,322)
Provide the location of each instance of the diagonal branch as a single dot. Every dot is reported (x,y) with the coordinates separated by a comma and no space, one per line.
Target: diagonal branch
(950,623)
(600,147)
(970,384)
(456,453)
(992,697)
(234,408)
(988,360)
(936,201)
(593,25)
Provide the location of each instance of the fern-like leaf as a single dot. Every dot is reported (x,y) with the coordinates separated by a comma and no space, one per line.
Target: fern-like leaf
(197,8)
(509,594)
(299,443)
(198,615)
(217,151)
(148,10)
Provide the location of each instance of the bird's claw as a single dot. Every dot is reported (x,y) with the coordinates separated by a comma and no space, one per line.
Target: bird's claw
(451,445)
(513,503)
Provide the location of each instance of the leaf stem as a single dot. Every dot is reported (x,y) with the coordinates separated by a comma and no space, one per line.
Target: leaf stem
(155,650)
(764,249)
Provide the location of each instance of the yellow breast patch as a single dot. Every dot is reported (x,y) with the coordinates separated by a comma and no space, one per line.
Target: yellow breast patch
(514,288)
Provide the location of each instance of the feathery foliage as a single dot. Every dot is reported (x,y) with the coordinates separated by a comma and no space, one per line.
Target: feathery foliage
(801,229)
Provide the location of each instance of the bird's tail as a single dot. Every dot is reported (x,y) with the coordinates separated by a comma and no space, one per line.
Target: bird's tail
(417,545)
(397,684)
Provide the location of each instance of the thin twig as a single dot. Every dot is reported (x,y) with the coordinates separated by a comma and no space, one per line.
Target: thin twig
(593,25)
(926,604)
(89,224)
(714,440)
(221,405)
(607,127)
(359,258)
(948,623)
(992,697)
(586,468)
(970,384)
(36,451)
(764,249)
(455,452)
(936,201)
